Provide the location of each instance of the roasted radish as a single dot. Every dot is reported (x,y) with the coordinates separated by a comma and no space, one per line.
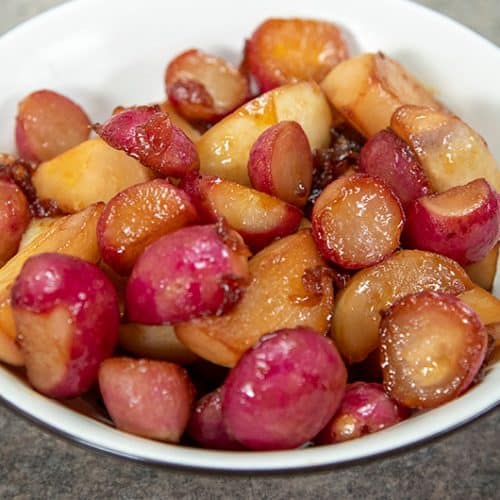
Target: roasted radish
(48,124)
(289,50)
(66,315)
(432,346)
(357,221)
(284,390)
(281,163)
(139,215)
(462,223)
(191,272)
(203,87)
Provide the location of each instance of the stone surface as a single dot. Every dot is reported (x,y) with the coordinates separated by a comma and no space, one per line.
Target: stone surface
(462,465)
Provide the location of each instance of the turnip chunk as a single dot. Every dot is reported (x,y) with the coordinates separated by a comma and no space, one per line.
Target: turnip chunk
(258,217)
(47,124)
(149,398)
(368,88)
(357,221)
(284,390)
(66,315)
(204,87)
(147,134)
(206,425)
(139,215)
(289,50)
(462,223)
(432,346)
(191,272)
(14,219)
(281,163)
(387,156)
(365,408)
(290,286)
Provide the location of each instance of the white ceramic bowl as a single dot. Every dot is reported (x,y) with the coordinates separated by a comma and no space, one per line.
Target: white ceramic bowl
(114,52)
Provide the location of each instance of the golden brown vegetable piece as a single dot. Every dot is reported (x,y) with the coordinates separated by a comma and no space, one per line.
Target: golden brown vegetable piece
(289,287)
(358,306)
(86,174)
(179,121)
(483,273)
(71,235)
(483,303)
(367,89)
(450,152)
(224,149)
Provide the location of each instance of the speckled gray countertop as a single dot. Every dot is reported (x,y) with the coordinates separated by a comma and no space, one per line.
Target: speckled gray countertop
(462,465)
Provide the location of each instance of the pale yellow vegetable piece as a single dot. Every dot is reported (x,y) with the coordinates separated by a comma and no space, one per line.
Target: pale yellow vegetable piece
(450,152)
(483,273)
(367,89)
(224,149)
(72,235)
(483,303)
(86,174)
(155,342)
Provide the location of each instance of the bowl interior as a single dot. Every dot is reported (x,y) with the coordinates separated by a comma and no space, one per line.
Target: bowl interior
(104,54)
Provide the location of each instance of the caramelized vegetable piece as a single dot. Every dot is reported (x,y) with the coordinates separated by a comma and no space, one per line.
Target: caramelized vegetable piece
(224,149)
(288,50)
(357,221)
(139,215)
(206,425)
(258,217)
(284,390)
(204,87)
(432,346)
(191,272)
(289,287)
(147,134)
(462,223)
(281,163)
(14,219)
(48,124)
(66,315)
(155,342)
(148,398)
(358,306)
(483,273)
(179,121)
(89,173)
(450,152)
(483,303)
(368,88)
(71,235)
(387,156)
(364,409)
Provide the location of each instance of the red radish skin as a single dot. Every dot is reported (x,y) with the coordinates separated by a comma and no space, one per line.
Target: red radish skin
(432,347)
(15,216)
(147,134)
(149,398)
(192,272)
(284,390)
(282,51)
(387,156)
(357,221)
(206,425)
(203,87)
(66,315)
(281,163)
(365,408)
(462,223)
(139,215)
(258,217)
(47,124)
